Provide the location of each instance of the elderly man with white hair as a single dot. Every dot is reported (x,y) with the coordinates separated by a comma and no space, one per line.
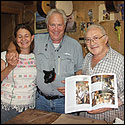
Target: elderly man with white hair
(103,59)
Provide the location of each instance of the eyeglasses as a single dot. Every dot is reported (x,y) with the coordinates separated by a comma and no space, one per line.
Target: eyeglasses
(94,39)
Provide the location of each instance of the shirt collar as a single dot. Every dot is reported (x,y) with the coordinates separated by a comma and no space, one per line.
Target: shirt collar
(60,44)
(49,39)
(109,53)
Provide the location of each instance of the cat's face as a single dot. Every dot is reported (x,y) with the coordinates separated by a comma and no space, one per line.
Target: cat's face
(49,76)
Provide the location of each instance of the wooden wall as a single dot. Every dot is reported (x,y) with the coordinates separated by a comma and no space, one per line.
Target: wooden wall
(11,14)
(81,9)
(6,30)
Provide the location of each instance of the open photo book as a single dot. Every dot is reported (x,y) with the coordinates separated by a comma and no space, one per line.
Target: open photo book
(86,93)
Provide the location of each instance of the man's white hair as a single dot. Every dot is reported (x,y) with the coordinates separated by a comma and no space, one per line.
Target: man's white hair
(97,26)
(52,11)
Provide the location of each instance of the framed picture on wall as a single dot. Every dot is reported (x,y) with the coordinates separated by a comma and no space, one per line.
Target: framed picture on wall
(104,15)
(71,24)
(39,24)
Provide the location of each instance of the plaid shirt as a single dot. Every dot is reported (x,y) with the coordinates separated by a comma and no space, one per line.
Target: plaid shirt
(113,62)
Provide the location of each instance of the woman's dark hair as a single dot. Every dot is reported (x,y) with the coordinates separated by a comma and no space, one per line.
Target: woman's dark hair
(27,27)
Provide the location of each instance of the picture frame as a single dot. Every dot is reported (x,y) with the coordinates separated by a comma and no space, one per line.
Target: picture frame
(71,24)
(104,15)
(39,24)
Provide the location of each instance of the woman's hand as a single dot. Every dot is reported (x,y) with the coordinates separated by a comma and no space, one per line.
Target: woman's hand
(12,58)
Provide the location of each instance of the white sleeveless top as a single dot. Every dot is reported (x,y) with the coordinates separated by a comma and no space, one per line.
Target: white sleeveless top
(18,89)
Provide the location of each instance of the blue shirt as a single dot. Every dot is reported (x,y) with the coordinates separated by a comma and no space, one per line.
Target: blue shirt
(66,59)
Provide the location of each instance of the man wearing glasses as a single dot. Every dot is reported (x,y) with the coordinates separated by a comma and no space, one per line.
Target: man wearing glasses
(103,59)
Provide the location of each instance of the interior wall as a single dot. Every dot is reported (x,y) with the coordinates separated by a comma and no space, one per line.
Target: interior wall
(81,8)
(6,30)
(11,14)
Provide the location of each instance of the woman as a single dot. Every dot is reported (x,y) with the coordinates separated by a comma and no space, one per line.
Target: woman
(18,87)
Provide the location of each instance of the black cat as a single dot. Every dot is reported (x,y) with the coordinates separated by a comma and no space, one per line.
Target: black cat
(49,76)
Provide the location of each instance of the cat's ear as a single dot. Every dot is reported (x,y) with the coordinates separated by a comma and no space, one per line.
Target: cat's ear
(44,71)
(53,70)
